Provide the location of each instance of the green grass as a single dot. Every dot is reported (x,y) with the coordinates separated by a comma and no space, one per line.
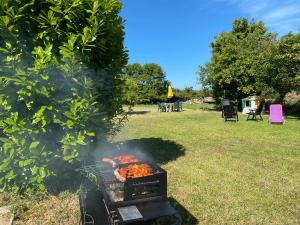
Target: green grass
(200,106)
(218,173)
(43,210)
(223,173)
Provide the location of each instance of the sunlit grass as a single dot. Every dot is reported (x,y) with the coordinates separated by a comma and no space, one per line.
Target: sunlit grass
(218,173)
(231,173)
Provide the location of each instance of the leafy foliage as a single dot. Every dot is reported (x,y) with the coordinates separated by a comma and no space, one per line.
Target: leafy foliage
(239,57)
(283,71)
(145,83)
(189,93)
(59,90)
(131,91)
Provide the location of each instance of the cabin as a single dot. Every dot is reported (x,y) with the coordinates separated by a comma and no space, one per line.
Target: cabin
(251,102)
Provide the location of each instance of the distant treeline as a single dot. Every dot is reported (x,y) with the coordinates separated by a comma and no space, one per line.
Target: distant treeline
(189,93)
(148,84)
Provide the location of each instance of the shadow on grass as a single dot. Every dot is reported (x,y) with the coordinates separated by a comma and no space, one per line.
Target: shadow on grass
(142,112)
(292,116)
(231,121)
(156,149)
(187,217)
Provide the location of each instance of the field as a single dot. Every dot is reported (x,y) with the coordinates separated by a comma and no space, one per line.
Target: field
(218,173)
(223,173)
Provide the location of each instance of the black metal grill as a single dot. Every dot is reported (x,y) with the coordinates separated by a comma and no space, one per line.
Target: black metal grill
(135,200)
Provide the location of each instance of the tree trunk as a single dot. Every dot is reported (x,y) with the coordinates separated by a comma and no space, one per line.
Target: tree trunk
(281,97)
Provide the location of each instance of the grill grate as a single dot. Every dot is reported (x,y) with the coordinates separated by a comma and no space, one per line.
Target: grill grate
(99,171)
(136,200)
(133,189)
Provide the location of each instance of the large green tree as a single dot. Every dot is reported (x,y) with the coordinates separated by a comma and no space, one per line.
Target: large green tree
(59,85)
(283,70)
(239,57)
(150,79)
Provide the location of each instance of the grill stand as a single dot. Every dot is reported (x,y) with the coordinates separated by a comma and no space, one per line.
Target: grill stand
(95,211)
(140,201)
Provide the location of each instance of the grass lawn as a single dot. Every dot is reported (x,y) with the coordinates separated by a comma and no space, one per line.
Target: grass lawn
(218,173)
(223,173)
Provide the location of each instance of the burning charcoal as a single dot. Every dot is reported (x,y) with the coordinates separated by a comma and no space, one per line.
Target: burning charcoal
(135,171)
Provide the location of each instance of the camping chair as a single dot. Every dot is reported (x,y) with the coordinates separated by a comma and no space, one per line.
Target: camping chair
(276,114)
(225,103)
(161,107)
(180,106)
(176,106)
(229,112)
(256,112)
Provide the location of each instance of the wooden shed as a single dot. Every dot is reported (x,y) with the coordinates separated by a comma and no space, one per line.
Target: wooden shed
(250,102)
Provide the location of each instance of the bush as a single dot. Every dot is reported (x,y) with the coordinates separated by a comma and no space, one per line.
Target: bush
(59,91)
(292,106)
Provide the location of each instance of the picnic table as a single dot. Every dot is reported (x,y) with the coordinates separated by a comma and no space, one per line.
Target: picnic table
(169,107)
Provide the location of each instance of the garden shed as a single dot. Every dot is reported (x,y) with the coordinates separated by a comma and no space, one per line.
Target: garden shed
(250,102)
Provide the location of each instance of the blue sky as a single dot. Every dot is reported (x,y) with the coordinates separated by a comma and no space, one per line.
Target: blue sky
(176,33)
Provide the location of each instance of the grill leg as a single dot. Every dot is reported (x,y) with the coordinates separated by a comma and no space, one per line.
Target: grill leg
(112,215)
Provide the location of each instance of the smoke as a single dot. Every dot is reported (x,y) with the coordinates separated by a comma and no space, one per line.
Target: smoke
(111,150)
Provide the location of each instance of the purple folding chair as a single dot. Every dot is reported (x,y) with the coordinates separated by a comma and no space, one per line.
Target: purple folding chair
(276,114)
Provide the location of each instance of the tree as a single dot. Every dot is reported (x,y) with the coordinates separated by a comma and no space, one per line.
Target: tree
(151,81)
(188,93)
(239,57)
(59,85)
(283,71)
(130,89)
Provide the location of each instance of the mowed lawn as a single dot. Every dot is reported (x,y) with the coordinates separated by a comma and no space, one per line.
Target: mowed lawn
(222,173)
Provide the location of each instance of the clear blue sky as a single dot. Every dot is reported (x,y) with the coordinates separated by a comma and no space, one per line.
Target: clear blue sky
(176,34)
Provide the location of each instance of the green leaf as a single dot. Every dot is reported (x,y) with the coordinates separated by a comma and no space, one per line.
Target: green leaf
(10,175)
(90,134)
(24,163)
(41,187)
(5,20)
(4,140)
(55,9)
(34,170)
(33,145)
(42,172)
(12,153)
(4,165)
(70,123)
(15,189)
(4,50)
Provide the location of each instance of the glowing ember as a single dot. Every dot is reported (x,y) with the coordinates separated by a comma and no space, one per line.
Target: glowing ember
(126,159)
(135,170)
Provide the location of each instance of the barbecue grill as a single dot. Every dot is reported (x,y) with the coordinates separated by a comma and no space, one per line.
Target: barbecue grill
(137,200)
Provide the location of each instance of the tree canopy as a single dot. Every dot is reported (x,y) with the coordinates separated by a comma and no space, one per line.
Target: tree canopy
(147,81)
(239,57)
(250,60)
(283,69)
